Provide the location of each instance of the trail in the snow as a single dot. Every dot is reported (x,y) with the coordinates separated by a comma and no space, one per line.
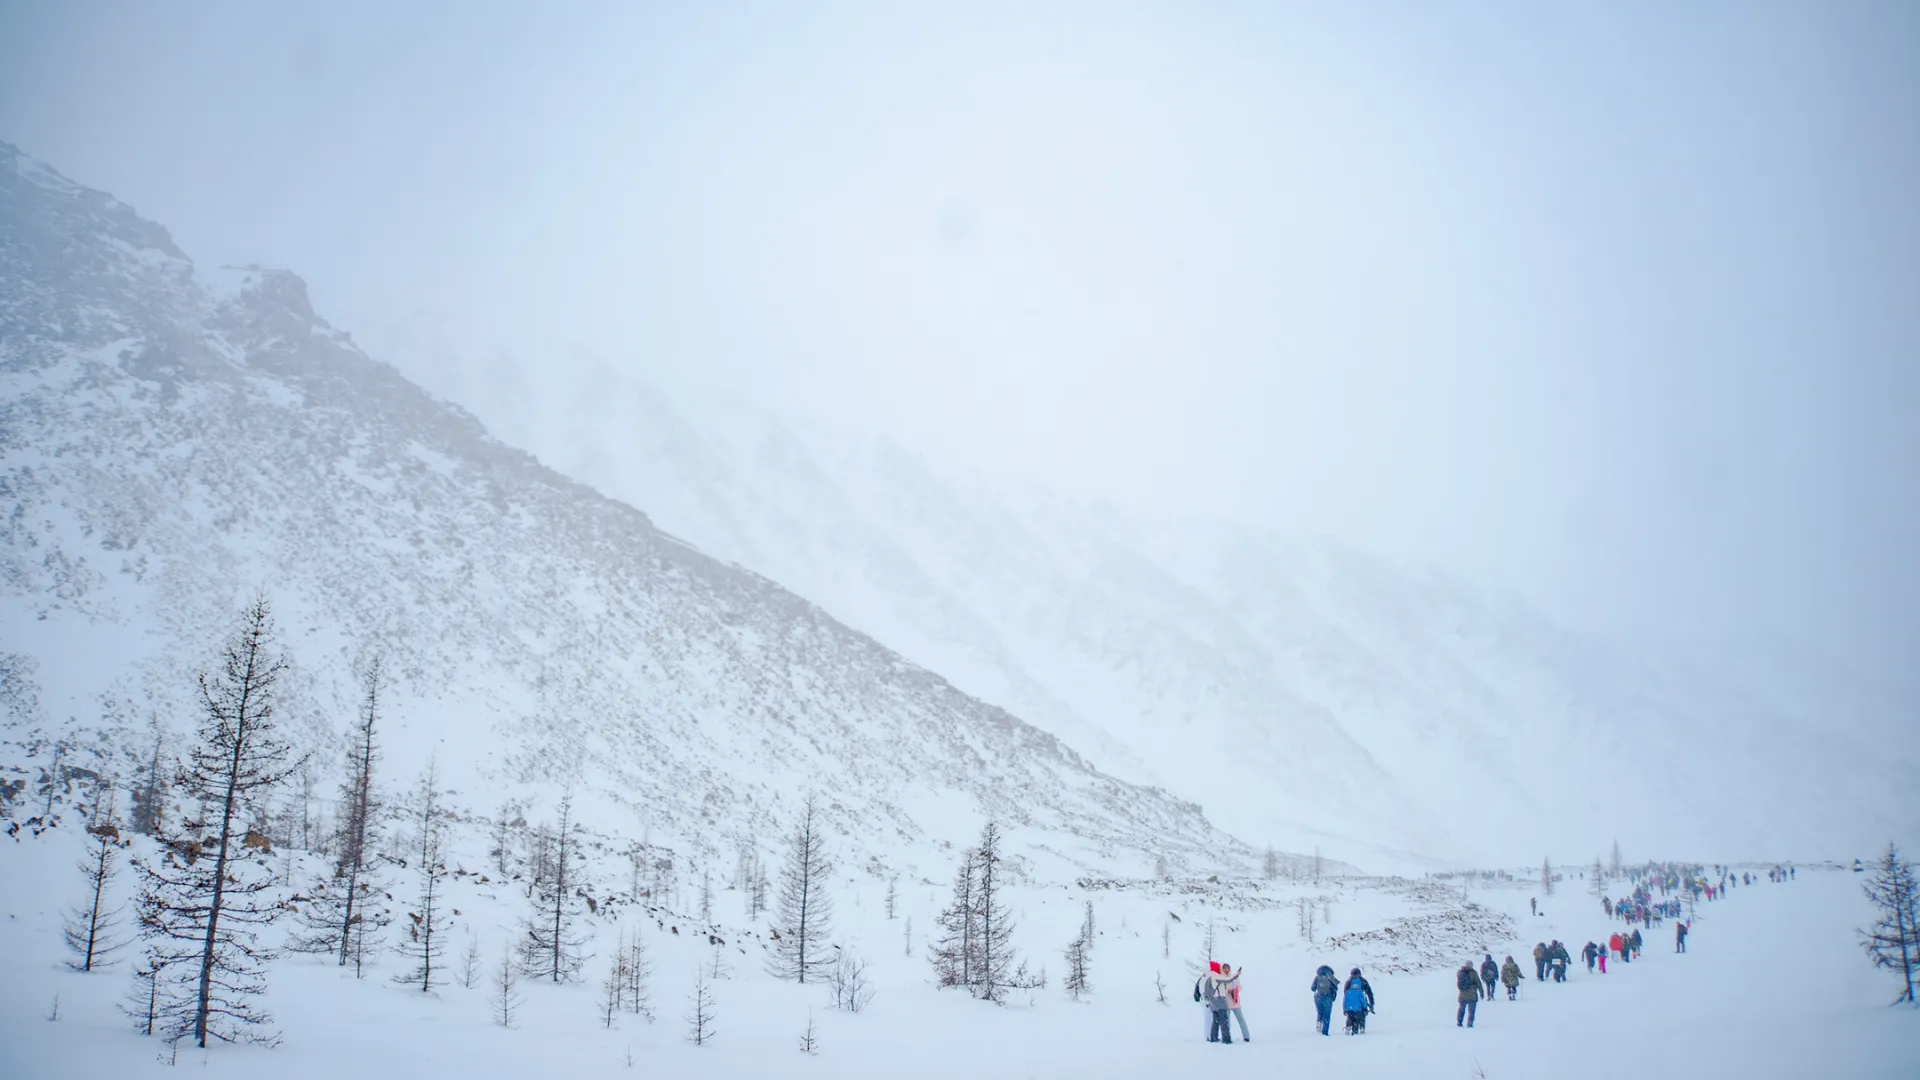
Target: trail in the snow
(1772,986)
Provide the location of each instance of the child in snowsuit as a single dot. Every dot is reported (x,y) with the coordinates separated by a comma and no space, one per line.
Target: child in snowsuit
(1468,980)
(1326,986)
(1357,1003)
(1603,953)
(1510,975)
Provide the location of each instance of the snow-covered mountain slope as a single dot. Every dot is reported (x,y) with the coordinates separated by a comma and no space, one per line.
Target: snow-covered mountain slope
(172,442)
(1308,692)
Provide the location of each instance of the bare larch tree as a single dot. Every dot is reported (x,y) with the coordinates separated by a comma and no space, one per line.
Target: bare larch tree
(506,992)
(700,1010)
(426,935)
(147,812)
(342,917)
(975,949)
(1893,941)
(201,901)
(955,953)
(551,948)
(639,994)
(804,915)
(1076,982)
(92,927)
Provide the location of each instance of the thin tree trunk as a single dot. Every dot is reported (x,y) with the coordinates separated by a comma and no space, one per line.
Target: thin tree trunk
(93,916)
(226,832)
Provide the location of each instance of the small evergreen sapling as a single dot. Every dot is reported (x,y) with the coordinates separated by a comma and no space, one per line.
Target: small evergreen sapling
(1076,982)
(700,1010)
(506,992)
(552,949)
(1893,941)
(92,927)
(426,937)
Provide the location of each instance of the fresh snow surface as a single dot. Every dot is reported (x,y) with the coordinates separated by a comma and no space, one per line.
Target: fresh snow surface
(1773,986)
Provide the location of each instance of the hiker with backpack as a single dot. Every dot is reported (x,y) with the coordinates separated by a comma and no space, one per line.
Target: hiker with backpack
(1468,980)
(1200,995)
(1680,937)
(1215,983)
(1357,1003)
(1489,973)
(1636,942)
(1557,960)
(1326,986)
(1511,976)
(1588,954)
(1539,961)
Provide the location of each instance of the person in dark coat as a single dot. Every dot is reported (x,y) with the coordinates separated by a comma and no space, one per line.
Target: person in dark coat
(1680,937)
(1357,1003)
(1540,961)
(1326,987)
(1471,989)
(1489,974)
(1589,954)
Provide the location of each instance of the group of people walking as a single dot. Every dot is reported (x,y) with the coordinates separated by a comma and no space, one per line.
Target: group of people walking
(1550,963)
(1219,990)
(1476,984)
(1356,999)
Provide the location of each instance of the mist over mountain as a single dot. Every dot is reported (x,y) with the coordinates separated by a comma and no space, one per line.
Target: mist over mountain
(1314,692)
(179,440)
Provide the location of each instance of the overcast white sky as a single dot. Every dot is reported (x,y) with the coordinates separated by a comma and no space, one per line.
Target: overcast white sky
(1617,304)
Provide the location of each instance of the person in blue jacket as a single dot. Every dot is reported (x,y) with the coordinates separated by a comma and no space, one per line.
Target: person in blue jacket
(1358,1003)
(1326,987)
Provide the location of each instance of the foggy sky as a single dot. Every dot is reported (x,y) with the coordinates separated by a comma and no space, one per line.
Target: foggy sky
(1618,305)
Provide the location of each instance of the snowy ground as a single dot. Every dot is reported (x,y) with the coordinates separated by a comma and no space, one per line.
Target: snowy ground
(1773,987)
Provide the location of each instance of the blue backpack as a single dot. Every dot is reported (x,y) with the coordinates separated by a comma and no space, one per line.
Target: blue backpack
(1356,999)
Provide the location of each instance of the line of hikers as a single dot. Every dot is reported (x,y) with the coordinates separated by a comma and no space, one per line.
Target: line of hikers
(1477,984)
(1219,989)
(1550,962)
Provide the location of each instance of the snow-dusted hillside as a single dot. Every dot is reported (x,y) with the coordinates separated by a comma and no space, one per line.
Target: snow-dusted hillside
(173,441)
(1306,691)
